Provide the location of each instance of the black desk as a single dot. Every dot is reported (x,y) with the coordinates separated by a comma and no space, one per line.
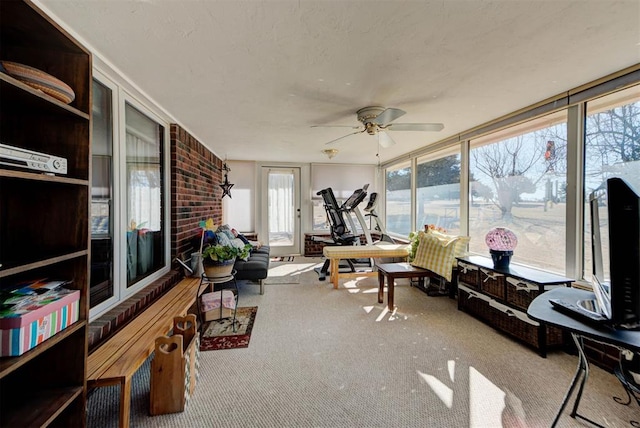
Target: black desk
(541,310)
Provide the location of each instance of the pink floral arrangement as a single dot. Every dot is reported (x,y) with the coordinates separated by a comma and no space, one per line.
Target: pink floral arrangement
(501,239)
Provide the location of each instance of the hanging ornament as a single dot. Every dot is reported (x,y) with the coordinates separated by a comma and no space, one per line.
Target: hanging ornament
(226,186)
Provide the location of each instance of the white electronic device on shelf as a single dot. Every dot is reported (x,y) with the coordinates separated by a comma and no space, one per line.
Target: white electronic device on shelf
(22,158)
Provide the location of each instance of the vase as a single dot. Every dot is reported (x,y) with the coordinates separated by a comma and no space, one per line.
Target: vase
(501,259)
(218,269)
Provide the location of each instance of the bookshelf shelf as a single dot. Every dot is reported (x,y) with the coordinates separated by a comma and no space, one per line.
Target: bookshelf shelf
(10,364)
(41,409)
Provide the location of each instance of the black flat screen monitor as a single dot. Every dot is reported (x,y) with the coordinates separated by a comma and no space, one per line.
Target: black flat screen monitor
(616,238)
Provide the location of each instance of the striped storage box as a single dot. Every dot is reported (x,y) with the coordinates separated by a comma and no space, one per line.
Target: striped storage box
(24,329)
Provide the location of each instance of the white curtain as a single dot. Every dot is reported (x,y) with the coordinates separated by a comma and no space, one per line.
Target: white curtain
(143,185)
(281,203)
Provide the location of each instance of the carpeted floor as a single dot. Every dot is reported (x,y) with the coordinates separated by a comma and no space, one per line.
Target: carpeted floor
(287,279)
(321,357)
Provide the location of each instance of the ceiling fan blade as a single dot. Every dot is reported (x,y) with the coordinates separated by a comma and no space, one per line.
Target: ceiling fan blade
(344,136)
(388,115)
(429,127)
(335,126)
(385,140)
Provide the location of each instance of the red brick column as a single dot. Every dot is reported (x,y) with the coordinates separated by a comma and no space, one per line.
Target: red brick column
(195,192)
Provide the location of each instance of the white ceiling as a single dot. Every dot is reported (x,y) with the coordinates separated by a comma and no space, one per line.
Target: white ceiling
(250,78)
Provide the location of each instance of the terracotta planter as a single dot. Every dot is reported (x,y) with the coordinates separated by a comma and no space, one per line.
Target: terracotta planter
(218,269)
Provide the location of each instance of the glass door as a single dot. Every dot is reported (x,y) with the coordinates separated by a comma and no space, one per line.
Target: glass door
(282,205)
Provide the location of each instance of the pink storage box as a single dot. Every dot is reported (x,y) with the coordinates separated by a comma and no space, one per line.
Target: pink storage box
(211,305)
(24,331)
(211,301)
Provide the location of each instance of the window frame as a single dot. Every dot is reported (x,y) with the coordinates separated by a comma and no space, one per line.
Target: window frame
(122,94)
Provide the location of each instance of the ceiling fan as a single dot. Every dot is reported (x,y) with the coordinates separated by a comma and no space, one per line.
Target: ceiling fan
(377,120)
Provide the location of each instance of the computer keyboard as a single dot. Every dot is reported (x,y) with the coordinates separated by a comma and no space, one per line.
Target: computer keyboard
(576,311)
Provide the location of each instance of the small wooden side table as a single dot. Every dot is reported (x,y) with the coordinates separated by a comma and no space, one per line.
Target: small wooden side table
(397,270)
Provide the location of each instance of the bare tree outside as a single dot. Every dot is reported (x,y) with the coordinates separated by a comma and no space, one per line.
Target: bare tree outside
(518,180)
(508,169)
(612,145)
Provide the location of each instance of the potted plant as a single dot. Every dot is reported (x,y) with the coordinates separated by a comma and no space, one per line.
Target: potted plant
(218,259)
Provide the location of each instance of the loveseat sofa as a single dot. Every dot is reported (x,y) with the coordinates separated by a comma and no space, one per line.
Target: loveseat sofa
(256,268)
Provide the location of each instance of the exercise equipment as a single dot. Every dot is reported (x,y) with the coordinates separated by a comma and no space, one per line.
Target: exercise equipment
(370,210)
(341,233)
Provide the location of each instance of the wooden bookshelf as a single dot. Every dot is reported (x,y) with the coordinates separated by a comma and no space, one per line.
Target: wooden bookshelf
(44,218)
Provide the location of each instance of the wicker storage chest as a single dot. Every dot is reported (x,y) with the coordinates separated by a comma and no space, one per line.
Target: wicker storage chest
(500,297)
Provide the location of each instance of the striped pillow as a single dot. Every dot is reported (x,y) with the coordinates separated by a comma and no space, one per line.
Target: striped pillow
(461,244)
(436,254)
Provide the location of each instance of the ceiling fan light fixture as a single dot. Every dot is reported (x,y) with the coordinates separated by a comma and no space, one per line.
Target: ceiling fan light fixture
(330,152)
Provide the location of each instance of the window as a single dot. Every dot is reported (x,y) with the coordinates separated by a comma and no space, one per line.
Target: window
(343,180)
(144,178)
(517,179)
(129,239)
(398,199)
(612,149)
(438,191)
(101,288)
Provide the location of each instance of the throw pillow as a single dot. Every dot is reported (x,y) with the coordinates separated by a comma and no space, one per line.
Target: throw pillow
(461,243)
(227,231)
(238,243)
(436,254)
(241,236)
(223,239)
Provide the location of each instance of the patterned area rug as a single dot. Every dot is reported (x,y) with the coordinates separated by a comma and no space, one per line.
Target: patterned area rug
(219,334)
(282,259)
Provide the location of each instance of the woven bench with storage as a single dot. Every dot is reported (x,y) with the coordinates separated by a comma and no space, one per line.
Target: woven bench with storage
(501,297)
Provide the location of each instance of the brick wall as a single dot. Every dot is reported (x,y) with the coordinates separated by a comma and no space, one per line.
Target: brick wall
(195,196)
(313,248)
(195,192)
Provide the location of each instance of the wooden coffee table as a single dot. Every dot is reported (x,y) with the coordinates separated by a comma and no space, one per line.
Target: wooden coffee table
(397,270)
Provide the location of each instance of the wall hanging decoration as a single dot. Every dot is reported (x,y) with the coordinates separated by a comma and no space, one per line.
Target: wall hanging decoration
(226,186)
(501,242)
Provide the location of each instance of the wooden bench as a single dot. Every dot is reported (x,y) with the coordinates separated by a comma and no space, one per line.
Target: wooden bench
(380,250)
(115,362)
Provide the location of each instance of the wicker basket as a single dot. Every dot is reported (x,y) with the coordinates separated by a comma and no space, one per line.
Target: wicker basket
(492,283)
(508,323)
(522,293)
(473,305)
(468,274)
